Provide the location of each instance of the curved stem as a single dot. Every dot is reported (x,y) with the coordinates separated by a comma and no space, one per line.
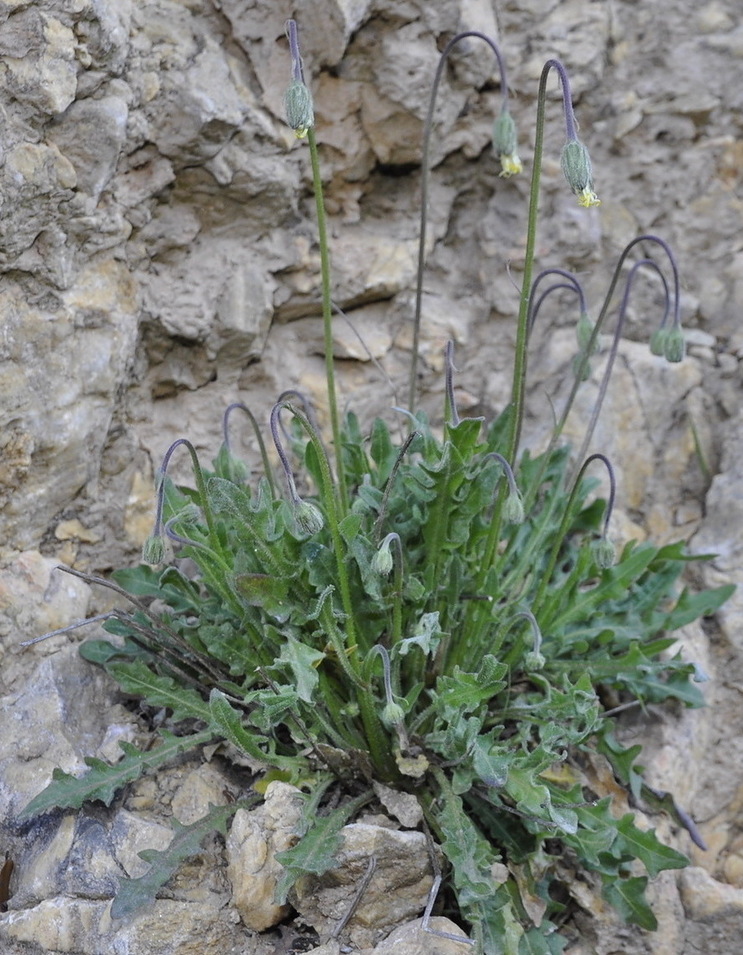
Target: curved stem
(327,491)
(613,353)
(572,283)
(427,129)
(200,486)
(546,576)
(239,405)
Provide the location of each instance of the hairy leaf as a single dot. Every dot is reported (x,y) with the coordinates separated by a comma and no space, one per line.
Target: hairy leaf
(104,780)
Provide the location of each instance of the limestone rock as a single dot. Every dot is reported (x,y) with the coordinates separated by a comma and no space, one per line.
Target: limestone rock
(412,939)
(64,925)
(398,888)
(253,841)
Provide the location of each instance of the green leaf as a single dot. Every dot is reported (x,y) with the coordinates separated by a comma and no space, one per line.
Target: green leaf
(142,581)
(103,780)
(101,652)
(628,898)
(265,591)
(490,763)
(645,846)
(228,723)
(542,941)
(303,662)
(315,853)
(426,637)
(135,677)
(691,607)
(136,894)
(469,853)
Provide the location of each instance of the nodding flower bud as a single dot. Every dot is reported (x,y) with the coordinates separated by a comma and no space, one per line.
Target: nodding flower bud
(153,549)
(308,517)
(603,553)
(392,714)
(513,508)
(505,144)
(383,561)
(577,169)
(674,346)
(658,342)
(534,660)
(298,107)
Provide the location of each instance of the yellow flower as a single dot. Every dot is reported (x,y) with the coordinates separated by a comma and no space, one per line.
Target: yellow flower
(587,198)
(510,165)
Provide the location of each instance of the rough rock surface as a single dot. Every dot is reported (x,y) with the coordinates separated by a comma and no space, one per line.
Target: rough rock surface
(158,262)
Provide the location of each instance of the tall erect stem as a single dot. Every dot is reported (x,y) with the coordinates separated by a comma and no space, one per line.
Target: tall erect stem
(301,117)
(522,332)
(424,189)
(327,321)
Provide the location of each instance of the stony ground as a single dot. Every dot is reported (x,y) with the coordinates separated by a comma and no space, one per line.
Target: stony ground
(159,262)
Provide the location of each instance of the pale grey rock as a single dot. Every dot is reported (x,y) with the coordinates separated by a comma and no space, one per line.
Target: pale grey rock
(91,135)
(78,861)
(35,598)
(397,891)
(255,837)
(405,807)
(714,912)
(35,179)
(57,720)
(197,107)
(412,939)
(64,363)
(40,66)
(84,927)
(199,790)
(132,833)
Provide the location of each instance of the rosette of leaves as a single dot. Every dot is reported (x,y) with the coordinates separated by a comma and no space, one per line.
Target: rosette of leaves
(268,637)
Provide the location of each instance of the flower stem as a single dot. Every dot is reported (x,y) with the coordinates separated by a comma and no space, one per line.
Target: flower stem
(427,130)
(522,331)
(327,318)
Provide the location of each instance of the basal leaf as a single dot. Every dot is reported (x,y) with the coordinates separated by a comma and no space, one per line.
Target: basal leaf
(628,898)
(691,606)
(103,780)
(315,853)
(645,846)
(135,677)
(490,762)
(266,591)
(228,723)
(136,894)
(303,662)
(470,854)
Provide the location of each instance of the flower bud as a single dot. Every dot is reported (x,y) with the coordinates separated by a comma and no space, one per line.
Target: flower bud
(308,517)
(298,107)
(383,562)
(513,508)
(392,714)
(658,342)
(577,169)
(505,144)
(603,553)
(153,549)
(534,660)
(674,346)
